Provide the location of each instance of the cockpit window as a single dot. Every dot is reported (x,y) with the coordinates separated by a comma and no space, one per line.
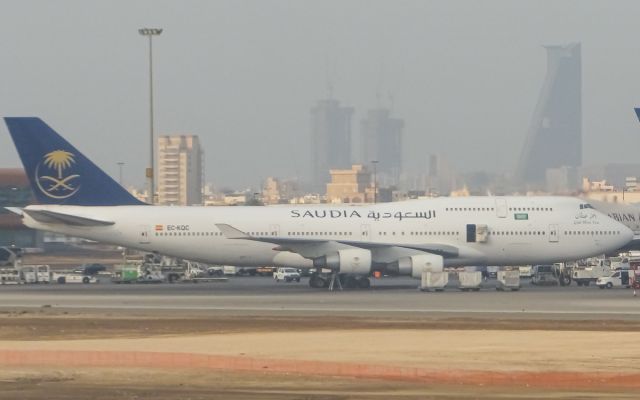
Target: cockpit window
(585,205)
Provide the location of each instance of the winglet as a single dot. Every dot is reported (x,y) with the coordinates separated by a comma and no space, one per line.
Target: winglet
(637,112)
(232,233)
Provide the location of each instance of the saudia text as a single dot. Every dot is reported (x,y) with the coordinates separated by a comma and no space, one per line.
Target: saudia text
(375,215)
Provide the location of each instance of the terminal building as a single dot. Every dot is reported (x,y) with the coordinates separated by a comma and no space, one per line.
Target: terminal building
(554,138)
(180,162)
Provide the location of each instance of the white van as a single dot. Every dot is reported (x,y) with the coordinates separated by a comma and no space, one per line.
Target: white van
(617,279)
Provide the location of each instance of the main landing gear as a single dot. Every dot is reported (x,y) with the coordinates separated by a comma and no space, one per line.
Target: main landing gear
(338,281)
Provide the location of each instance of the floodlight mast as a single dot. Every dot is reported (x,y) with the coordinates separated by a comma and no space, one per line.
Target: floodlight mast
(150,33)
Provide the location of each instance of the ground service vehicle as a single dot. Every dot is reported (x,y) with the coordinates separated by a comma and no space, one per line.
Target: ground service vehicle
(585,276)
(90,269)
(266,271)
(35,273)
(543,275)
(617,279)
(71,277)
(525,271)
(287,275)
(508,280)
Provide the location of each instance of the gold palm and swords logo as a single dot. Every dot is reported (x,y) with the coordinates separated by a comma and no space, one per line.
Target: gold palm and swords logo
(57,185)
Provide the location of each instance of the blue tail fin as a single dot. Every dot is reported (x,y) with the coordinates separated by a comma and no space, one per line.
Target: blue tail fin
(60,174)
(637,112)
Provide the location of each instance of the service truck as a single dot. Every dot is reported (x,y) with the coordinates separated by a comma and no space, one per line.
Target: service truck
(584,276)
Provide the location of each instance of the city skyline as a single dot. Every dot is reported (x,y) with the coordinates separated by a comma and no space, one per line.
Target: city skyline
(243,75)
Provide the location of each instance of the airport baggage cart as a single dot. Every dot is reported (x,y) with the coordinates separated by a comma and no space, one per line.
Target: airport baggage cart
(125,274)
(10,276)
(470,280)
(508,280)
(435,281)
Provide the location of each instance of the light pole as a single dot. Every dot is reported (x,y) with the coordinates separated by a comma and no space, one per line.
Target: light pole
(150,33)
(120,165)
(375,182)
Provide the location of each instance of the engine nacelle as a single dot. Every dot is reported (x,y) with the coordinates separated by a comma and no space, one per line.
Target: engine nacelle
(347,261)
(416,265)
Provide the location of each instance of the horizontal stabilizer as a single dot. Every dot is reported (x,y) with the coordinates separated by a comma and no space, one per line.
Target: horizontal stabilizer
(52,217)
(15,210)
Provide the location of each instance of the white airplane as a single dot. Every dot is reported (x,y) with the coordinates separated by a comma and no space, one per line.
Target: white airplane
(78,199)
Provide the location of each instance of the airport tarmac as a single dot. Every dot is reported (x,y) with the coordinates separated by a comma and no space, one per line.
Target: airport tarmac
(388,296)
(250,337)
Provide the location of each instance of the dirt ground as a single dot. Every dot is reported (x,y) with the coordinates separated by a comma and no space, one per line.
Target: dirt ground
(450,346)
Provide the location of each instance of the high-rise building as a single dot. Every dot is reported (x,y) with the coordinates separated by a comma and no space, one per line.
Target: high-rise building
(180,170)
(441,178)
(555,137)
(330,140)
(381,141)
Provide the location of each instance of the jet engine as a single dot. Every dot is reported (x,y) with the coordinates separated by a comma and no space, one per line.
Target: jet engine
(346,261)
(416,265)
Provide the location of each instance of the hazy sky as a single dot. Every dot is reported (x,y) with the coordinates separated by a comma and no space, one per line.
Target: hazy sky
(464,75)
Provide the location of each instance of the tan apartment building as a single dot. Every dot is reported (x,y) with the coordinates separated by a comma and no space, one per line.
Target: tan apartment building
(179,170)
(350,185)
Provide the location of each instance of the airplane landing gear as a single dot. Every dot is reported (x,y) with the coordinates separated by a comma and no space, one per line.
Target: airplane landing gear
(338,281)
(317,282)
(364,283)
(335,281)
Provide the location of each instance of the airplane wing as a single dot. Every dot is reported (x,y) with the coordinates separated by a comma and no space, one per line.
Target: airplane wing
(53,217)
(311,248)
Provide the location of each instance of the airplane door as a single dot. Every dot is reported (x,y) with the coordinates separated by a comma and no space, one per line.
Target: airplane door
(274,230)
(365,231)
(144,234)
(501,208)
(553,233)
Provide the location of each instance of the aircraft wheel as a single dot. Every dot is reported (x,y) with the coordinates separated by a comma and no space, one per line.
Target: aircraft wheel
(349,282)
(364,283)
(316,282)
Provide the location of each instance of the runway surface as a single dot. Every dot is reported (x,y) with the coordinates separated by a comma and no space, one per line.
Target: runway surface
(387,297)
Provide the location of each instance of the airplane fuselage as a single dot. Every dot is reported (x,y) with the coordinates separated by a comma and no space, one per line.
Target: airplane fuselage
(469,231)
